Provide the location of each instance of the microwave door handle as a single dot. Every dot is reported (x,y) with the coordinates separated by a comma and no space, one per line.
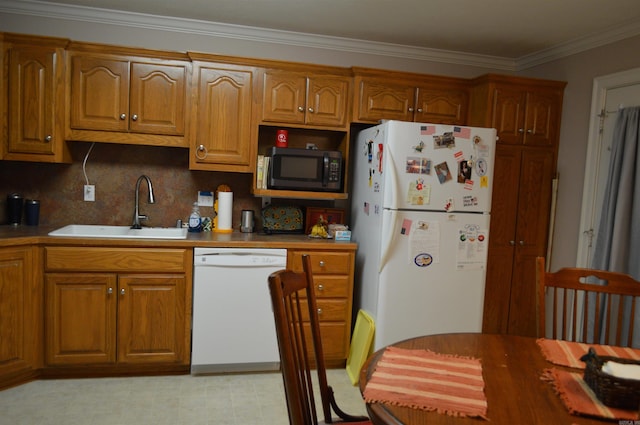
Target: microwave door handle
(325,170)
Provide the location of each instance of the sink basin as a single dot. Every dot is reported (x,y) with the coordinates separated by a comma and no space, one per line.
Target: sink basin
(121,232)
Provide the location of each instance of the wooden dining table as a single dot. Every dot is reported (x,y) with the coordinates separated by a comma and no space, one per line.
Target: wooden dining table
(511,367)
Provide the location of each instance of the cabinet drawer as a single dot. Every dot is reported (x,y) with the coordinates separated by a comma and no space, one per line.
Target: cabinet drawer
(115,259)
(334,341)
(328,286)
(322,262)
(328,310)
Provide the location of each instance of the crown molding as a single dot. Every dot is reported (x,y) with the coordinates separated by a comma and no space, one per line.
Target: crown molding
(239,32)
(578,45)
(290,38)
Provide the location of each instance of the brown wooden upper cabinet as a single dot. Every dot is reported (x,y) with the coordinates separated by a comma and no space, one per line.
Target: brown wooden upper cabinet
(222,136)
(140,97)
(35,89)
(409,97)
(310,99)
(523,112)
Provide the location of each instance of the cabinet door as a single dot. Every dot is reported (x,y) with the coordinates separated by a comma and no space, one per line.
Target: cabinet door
(223,118)
(151,317)
(508,114)
(16,305)
(80,318)
(531,237)
(542,122)
(504,206)
(32,100)
(379,100)
(441,106)
(99,93)
(158,98)
(284,97)
(327,101)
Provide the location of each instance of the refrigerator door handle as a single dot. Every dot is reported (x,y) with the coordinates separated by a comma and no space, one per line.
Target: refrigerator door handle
(393,179)
(388,238)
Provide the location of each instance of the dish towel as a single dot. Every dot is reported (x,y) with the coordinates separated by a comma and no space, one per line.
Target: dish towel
(579,399)
(422,379)
(568,353)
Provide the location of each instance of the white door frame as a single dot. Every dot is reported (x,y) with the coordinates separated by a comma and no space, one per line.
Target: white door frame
(598,100)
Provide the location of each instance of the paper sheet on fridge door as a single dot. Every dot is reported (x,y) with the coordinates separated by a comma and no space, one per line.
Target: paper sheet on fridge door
(436,167)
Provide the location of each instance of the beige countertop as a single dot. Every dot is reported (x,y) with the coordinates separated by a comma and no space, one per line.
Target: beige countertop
(29,235)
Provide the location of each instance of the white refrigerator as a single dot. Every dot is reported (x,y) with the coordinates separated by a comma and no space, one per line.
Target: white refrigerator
(420,215)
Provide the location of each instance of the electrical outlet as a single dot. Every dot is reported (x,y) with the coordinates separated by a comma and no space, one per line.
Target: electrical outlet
(89,192)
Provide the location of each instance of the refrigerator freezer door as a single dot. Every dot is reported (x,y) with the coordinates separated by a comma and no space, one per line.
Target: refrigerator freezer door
(431,274)
(434,167)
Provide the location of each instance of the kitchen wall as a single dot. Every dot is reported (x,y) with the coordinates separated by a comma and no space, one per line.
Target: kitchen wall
(577,69)
(114,170)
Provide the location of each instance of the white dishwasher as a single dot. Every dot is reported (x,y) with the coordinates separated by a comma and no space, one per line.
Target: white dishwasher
(233,325)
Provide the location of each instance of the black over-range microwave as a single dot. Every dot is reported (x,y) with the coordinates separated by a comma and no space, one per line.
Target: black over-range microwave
(305,169)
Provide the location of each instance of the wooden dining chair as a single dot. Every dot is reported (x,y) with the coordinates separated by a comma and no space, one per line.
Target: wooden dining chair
(577,296)
(298,331)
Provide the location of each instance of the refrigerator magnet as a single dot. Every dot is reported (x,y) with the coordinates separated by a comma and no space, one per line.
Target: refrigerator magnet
(406,227)
(423,259)
(481,167)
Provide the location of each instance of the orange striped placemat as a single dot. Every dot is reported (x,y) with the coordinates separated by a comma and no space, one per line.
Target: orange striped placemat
(568,353)
(426,380)
(579,399)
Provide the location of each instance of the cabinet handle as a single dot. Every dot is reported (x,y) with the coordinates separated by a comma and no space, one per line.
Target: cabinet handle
(529,131)
(122,291)
(410,109)
(521,130)
(320,287)
(110,291)
(48,138)
(201,152)
(134,117)
(319,311)
(321,263)
(512,243)
(420,110)
(521,243)
(311,110)
(300,109)
(123,117)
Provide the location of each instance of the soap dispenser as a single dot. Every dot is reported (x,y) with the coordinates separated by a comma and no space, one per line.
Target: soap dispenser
(195,220)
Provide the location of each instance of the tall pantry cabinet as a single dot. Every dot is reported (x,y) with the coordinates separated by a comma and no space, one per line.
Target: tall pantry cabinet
(526,114)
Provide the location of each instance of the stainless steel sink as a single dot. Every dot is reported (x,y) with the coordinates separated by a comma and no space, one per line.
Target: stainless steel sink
(121,232)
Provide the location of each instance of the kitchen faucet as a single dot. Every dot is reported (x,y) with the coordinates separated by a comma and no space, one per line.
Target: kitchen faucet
(136,213)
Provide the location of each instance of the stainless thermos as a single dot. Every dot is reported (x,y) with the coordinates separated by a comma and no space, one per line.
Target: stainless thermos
(246,221)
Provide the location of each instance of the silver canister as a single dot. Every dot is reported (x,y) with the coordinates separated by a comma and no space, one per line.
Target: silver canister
(246,221)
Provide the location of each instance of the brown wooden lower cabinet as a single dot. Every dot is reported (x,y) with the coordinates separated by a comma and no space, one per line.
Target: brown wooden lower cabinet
(333,280)
(101,311)
(20,316)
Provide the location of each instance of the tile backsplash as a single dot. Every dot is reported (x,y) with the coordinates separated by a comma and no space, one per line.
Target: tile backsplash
(114,170)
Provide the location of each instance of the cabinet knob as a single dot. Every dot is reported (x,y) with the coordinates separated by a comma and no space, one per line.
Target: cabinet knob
(512,243)
(110,291)
(321,263)
(123,117)
(521,243)
(319,311)
(122,291)
(48,138)
(410,109)
(311,110)
(521,130)
(201,152)
(529,131)
(420,110)
(300,109)
(320,287)
(134,117)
